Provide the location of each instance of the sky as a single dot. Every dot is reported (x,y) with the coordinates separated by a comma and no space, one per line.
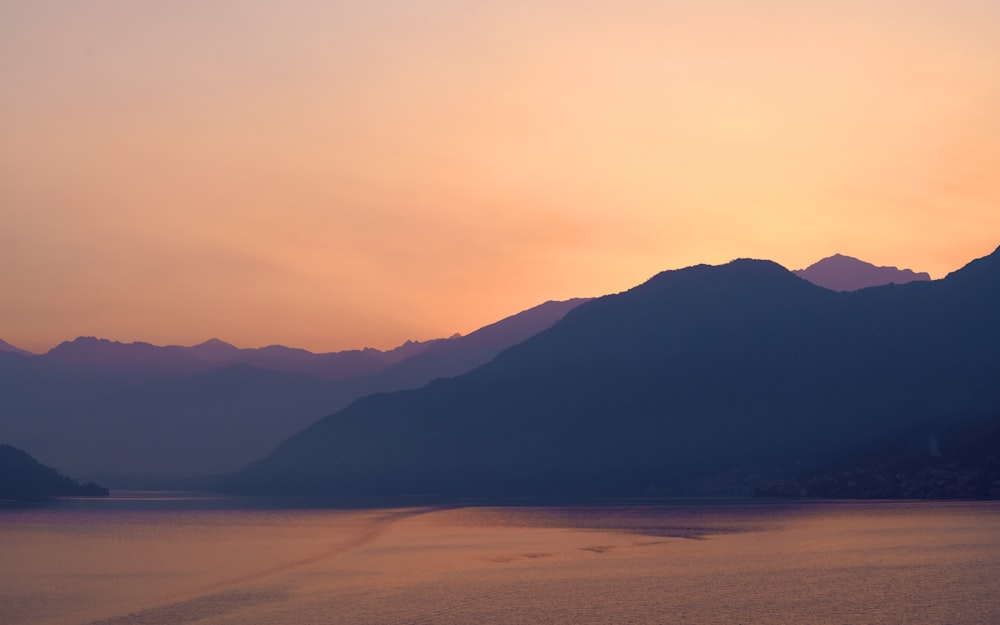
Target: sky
(333,175)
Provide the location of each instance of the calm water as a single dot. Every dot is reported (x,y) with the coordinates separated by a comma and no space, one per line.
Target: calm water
(169,560)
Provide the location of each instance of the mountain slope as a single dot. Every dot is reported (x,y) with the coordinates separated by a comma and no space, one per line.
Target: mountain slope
(23,477)
(742,367)
(8,348)
(133,414)
(455,356)
(845,273)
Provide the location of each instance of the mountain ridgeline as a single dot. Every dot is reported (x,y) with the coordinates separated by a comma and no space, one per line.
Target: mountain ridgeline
(844,273)
(136,415)
(702,374)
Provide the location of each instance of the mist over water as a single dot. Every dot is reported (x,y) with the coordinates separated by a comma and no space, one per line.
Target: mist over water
(177,559)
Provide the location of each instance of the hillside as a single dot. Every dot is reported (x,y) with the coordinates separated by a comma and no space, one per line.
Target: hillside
(741,369)
(23,477)
(137,415)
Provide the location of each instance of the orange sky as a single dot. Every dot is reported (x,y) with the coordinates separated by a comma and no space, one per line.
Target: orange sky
(332,175)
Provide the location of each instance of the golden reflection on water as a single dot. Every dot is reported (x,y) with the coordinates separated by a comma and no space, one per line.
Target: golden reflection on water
(697,563)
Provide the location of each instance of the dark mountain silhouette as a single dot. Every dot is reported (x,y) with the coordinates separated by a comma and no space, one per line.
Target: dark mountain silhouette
(138,415)
(844,273)
(87,351)
(455,356)
(23,477)
(342,365)
(740,370)
(90,352)
(407,350)
(8,348)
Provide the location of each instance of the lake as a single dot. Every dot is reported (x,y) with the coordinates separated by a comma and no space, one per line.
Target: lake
(173,558)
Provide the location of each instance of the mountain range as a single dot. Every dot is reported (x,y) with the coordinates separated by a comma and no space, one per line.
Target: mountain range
(141,415)
(89,351)
(727,374)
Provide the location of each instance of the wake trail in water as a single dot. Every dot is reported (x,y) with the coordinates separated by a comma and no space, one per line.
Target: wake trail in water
(379,527)
(225,597)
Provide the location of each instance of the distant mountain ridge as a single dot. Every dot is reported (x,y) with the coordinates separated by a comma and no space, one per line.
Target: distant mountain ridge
(740,370)
(140,415)
(837,272)
(8,348)
(845,273)
(92,351)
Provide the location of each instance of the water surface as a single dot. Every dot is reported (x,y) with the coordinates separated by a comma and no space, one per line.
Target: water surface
(179,559)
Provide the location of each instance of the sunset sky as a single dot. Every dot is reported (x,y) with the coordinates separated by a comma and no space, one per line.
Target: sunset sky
(334,175)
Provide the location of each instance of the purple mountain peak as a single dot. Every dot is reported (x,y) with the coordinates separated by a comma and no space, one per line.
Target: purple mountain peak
(846,273)
(214,350)
(89,344)
(214,342)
